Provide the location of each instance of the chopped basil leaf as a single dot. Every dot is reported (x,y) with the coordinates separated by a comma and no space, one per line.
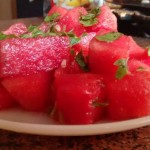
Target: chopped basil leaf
(74,40)
(25,35)
(91,18)
(96,103)
(4,36)
(36,33)
(109,37)
(32,28)
(72,52)
(88,20)
(79,58)
(99,104)
(52,34)
(122,68)
(52,17)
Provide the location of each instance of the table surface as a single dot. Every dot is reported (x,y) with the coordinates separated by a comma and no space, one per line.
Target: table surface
(137,139)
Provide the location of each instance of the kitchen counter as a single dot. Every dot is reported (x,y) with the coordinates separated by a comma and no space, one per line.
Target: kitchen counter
(136,139)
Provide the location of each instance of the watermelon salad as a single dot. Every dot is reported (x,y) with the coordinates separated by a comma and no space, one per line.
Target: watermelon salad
(75,67)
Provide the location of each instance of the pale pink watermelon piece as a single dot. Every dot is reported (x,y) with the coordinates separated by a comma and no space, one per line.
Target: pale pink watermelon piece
(16,29)
(25,56)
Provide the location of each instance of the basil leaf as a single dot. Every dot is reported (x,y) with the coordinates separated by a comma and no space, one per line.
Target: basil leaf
(52,34)
(91,18)
(37,33)
(88,23)
(122,68)
(99,104)
(72,52)
(25,35)
(32,28)
(4,36)
(74,40)
(79,58)
(109,37)
(52,17)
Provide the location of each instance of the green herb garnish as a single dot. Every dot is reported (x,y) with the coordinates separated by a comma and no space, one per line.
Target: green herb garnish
(72,52)
(4,36)
(79,58)
(97,103)
(109,37)
(52,17)
(91,18)
(122,68)
(73,38)
(32,28)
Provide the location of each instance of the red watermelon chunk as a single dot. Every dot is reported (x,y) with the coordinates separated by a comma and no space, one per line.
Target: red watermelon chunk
(70,21)
(16,29)
(77,96)
(25,56)
(30,91)
(6,100)
(130,97)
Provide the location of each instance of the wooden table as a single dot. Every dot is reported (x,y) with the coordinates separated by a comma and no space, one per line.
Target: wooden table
(137,139)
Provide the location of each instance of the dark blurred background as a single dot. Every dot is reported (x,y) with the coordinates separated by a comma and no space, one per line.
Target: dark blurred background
(27,8)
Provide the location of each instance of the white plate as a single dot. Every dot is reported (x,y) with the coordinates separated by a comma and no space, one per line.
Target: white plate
(37,123)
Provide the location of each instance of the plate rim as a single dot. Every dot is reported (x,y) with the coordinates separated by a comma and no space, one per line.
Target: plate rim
(74,130)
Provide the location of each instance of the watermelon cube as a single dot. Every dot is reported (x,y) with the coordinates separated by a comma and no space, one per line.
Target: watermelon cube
(106,21)
(103,54)
(25,56)
(130,97)
(78,98)
(32,91)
